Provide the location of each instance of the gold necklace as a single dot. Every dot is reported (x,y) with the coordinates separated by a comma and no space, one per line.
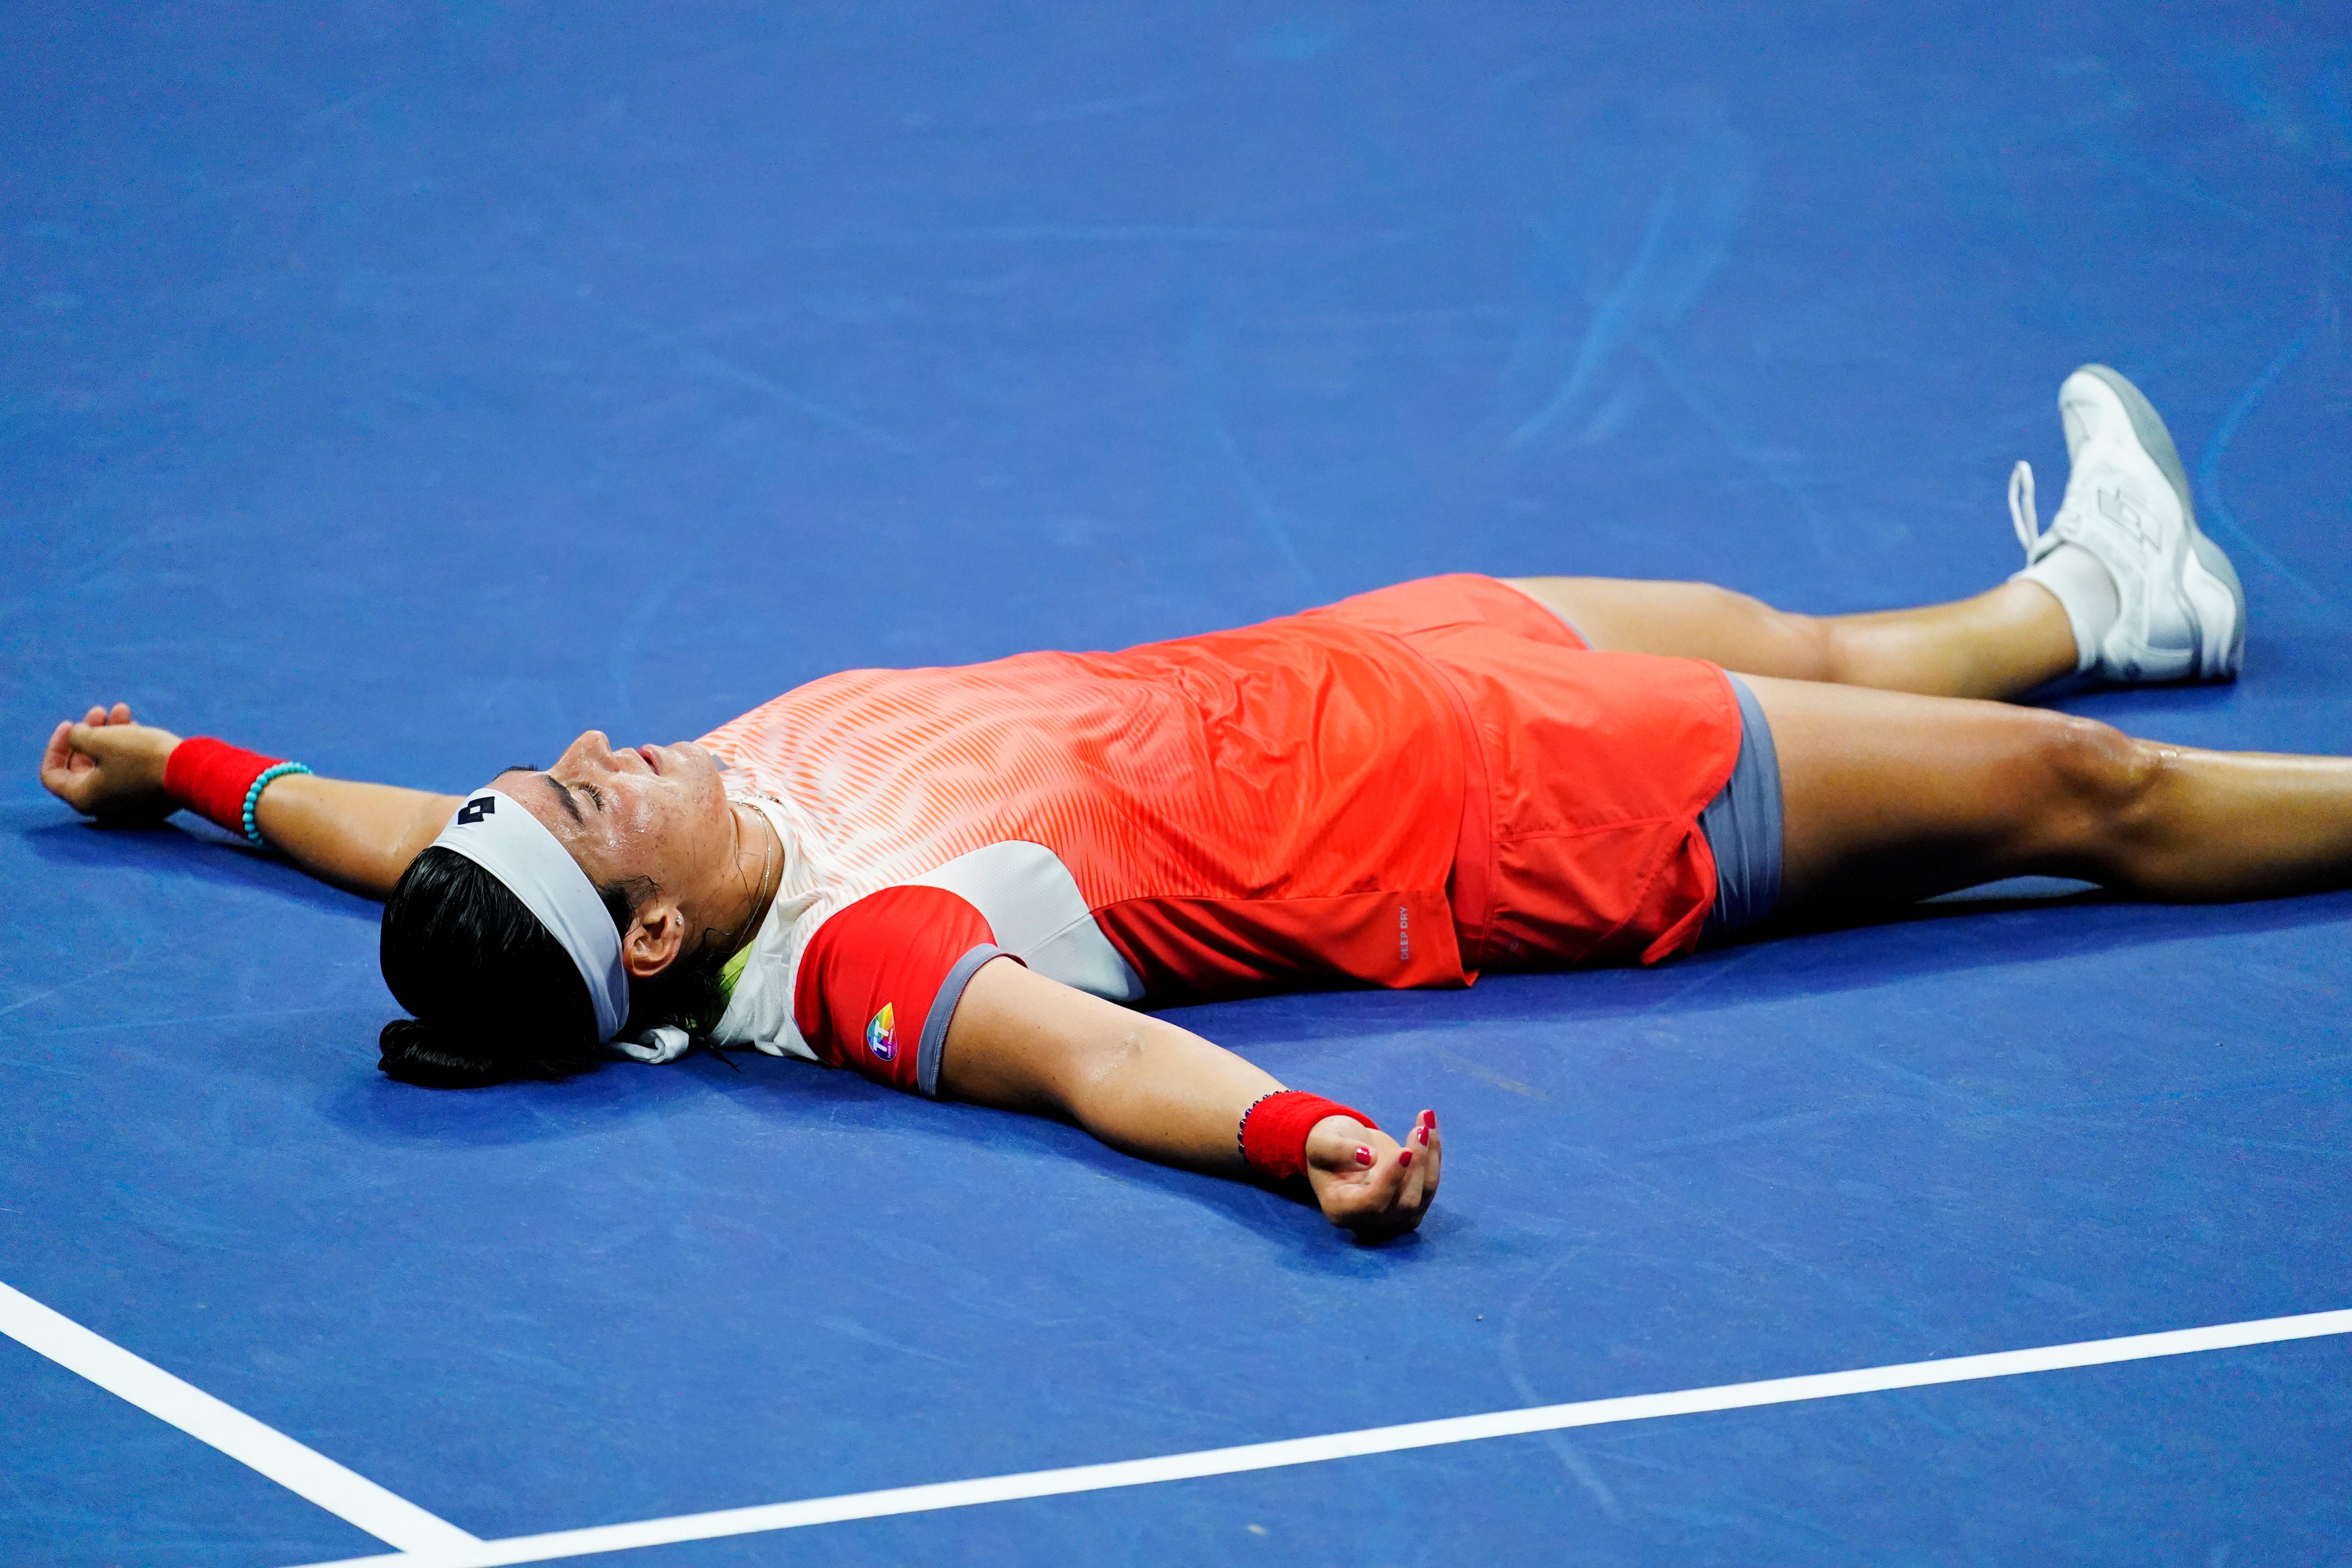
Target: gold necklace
(767,857)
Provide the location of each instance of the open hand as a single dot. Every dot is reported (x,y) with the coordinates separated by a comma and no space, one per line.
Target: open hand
(109,767)
(1370,1183)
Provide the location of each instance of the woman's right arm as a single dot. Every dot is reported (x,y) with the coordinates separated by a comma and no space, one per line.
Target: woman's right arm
(357,835)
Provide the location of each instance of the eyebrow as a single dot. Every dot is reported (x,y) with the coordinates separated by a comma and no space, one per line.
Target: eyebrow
(564,795)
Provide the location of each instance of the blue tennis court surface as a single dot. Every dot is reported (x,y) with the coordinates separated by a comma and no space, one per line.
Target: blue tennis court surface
(406,390)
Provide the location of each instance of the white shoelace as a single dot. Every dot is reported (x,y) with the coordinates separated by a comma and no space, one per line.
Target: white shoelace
(2022,514)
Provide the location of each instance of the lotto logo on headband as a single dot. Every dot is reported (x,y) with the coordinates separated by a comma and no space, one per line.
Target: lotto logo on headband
(882,1035)
(473,811)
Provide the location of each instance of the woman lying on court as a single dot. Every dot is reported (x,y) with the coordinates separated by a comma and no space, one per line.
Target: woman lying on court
(950,879)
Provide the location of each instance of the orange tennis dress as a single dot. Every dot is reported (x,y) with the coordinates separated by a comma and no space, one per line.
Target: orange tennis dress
(1400,790)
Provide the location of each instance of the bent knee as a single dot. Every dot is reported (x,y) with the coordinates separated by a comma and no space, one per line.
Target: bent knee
(1742,632)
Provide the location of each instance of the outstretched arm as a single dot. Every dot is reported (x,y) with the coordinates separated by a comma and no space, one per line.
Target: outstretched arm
(1022,1042)
(357,835)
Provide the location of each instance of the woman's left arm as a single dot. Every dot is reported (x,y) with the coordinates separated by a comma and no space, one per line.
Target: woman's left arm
(1022,1042)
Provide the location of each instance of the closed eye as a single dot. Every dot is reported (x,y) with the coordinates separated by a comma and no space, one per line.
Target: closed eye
(563,796)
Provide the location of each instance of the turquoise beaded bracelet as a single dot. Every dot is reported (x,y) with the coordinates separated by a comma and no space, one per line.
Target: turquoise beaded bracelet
(253,796)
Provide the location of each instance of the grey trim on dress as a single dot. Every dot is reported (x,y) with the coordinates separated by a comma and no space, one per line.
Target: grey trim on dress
(943,1005)
(1745,826)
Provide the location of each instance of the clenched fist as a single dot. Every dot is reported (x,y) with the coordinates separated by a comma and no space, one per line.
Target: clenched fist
(109,767)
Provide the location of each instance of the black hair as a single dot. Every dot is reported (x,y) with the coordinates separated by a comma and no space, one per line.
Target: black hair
(496,996)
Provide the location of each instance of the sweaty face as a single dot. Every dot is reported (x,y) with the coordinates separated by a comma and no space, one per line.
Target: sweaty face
(654,812)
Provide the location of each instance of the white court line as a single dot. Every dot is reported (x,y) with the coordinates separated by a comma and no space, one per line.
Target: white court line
(392,1519)
(1351,1445)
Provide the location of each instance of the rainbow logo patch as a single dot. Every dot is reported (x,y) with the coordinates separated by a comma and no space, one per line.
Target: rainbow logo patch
(882,1035)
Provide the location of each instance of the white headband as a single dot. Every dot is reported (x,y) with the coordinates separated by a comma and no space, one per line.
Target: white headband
(493,831)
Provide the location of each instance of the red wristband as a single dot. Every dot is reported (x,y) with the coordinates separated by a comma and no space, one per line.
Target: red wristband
(1274,1131)
(214,777)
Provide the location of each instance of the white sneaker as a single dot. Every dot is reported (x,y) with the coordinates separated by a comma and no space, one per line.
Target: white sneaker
(2181,614)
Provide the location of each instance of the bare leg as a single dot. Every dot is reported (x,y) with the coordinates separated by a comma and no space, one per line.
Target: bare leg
(1999,644)
(1891,796)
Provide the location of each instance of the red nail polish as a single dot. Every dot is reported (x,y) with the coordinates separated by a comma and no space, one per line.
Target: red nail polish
(1421,1137)
(1363,1155)
(1404,1159)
